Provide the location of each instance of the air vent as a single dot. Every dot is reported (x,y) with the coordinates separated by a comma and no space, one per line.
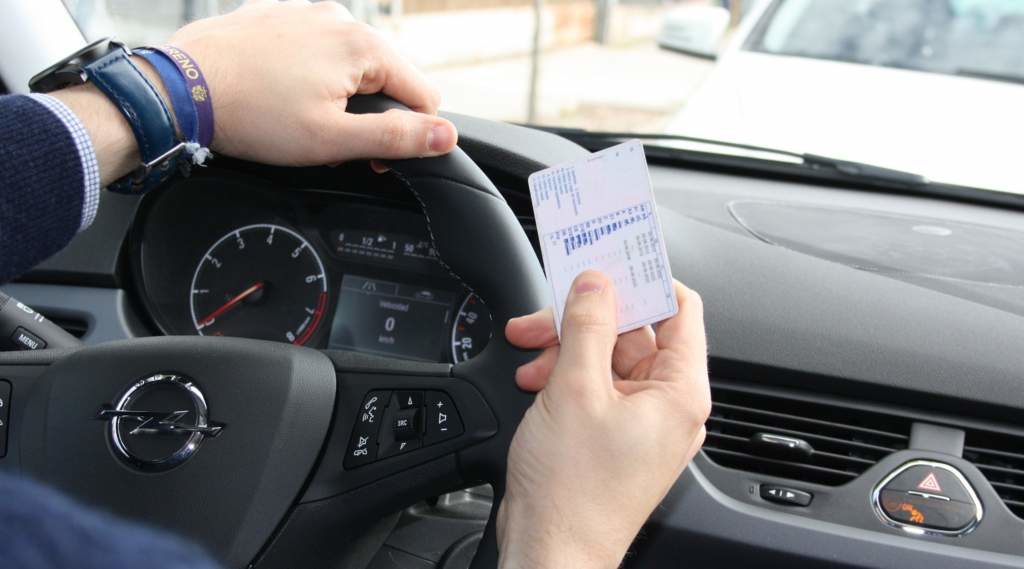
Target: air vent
(1000,457)
(796,437)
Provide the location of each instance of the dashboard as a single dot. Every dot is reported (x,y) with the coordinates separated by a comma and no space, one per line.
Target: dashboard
(228,256)
(881,328)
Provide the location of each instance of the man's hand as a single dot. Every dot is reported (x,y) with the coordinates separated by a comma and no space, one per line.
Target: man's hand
(281,73)
(280,76)
(615,422)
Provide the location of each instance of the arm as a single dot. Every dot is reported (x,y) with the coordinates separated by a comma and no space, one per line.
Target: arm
(280,75)
(616,421)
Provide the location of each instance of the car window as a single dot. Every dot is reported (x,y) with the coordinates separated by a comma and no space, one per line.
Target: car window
(969,37)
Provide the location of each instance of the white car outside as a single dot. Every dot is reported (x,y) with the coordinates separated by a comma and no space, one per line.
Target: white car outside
(950,128)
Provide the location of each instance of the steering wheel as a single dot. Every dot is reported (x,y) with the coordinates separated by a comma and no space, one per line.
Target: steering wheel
(269,454)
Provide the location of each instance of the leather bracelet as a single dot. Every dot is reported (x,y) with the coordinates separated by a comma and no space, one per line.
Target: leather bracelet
(121,81)
(177,91)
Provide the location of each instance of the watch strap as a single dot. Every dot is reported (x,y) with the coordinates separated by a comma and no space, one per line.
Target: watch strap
(124,84)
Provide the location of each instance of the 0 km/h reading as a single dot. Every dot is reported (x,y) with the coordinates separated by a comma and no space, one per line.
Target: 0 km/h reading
(260,281)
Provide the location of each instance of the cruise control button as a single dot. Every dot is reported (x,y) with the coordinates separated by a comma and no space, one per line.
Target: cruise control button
(409,399)
(398,447)
(442,421)
(785,496)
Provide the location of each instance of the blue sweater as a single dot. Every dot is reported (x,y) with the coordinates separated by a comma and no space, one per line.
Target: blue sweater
(41,185)
(43,200)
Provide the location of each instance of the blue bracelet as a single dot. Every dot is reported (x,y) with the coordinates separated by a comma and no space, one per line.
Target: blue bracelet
(177,90)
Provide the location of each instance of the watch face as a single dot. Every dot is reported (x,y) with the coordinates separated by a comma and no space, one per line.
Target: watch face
(68,71)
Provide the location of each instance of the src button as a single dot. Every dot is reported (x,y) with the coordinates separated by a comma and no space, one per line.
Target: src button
(928,495)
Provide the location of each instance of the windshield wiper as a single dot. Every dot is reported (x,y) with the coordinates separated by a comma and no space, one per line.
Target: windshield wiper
(832,167)
(990,75)
(860,170)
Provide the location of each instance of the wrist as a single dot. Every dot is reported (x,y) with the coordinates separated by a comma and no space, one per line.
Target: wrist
(117,151)
(551,540)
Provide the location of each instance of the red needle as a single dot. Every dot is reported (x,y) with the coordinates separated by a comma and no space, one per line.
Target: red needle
(230,304)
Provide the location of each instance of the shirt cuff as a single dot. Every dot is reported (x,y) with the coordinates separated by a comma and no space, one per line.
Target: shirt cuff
(86,153)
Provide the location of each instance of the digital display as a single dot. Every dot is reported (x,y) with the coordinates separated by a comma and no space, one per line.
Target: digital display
(392,319)
(395,249)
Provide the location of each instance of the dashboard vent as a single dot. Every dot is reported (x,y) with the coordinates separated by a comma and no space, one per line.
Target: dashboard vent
(1000,457)
(797,437)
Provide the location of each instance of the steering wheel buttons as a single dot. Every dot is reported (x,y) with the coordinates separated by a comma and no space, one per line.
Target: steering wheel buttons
(394,447)
(406,425)
(409,399)
(362,447)
(442,421)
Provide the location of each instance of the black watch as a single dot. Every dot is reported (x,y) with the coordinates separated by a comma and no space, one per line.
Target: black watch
(106,63)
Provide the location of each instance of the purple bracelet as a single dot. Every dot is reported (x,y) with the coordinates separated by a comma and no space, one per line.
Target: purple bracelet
(198,91)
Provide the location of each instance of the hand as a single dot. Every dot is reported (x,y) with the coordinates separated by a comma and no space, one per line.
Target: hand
(615,422)
(281,73)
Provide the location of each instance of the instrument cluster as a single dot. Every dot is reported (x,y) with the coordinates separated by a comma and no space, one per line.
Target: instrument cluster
(232,256)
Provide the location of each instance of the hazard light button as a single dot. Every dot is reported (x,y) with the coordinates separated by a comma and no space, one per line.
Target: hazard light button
(928,495)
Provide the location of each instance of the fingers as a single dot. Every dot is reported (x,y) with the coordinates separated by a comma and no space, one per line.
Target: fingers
(588,335)
(537,331)
(534,375)
(533,331)
(683,335)
(393,134)
(631,348)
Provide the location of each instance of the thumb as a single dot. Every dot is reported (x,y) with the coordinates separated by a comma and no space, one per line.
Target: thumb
(588,335)
(394,134)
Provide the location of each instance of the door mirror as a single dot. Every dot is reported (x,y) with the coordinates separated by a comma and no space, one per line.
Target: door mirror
(694,30)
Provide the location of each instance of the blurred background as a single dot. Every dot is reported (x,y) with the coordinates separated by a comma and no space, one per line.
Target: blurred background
(591,57)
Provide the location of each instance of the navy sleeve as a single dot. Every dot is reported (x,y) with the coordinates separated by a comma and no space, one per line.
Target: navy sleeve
(44,530)
(41,181)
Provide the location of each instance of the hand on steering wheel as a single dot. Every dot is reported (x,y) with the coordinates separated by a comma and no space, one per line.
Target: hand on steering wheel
(615,422)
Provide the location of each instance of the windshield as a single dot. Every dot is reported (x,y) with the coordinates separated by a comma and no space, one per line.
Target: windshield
(926,86)
(984,38)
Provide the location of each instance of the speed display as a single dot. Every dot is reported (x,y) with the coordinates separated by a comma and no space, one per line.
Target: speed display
(391,318)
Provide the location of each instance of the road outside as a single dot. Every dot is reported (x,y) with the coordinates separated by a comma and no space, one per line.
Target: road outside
(636,87)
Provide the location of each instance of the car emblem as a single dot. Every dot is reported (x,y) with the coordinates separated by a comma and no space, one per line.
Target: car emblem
(159,422)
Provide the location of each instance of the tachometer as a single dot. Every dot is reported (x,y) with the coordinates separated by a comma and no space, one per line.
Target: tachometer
(472,329)
(259,281)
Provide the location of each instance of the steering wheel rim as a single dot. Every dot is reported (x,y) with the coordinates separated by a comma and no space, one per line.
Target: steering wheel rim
(455,193)
(280,407)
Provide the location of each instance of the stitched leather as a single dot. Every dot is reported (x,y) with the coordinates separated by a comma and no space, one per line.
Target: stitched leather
(117,77)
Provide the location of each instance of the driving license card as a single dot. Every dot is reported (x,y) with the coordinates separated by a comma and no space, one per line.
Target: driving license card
(599,213)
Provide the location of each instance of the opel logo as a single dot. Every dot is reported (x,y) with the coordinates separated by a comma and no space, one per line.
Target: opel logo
(159,422)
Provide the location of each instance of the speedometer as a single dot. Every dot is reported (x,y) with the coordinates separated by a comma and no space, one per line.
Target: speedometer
(471,330)
(259,281)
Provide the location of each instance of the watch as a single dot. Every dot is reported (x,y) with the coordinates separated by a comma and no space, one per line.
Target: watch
(107,64)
